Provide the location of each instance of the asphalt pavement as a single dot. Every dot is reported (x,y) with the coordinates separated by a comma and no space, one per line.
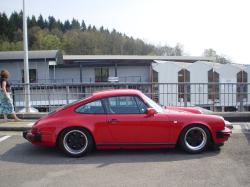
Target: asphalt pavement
(23,164)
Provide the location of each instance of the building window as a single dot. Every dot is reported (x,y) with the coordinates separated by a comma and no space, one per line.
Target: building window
(183,85)
(32,75)
(213,85)
(101,74)
(155,87)
(155,76)
(241,86)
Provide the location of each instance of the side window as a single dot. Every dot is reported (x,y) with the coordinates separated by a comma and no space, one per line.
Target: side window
(141,105)
(94,107)
(123,105)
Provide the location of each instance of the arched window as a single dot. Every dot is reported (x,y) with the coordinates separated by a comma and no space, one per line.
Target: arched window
(184,89)
(241,85)
(213,85)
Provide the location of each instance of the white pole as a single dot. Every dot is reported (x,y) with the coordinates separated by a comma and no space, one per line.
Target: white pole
(26,62)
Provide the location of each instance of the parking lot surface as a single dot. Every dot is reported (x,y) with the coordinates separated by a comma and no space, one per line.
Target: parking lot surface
(23,164)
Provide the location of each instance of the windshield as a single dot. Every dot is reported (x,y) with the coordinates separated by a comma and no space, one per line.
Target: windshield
(153,104)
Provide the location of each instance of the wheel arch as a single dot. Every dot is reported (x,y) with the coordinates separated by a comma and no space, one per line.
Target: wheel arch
(74,127)
(196,124)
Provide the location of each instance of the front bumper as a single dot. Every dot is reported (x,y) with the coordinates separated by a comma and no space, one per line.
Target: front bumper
(28,135)
(224,134)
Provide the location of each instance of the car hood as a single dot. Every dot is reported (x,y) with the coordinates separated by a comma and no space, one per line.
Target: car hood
(182,110)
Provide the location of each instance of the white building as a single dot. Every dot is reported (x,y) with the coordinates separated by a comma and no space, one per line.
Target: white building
(59,79)
(202,83)
(40,63)
(170,80)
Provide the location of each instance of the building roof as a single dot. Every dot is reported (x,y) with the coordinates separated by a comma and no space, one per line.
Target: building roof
(236,67)
(135,57)
(213,65)
(178,63)
(19,55)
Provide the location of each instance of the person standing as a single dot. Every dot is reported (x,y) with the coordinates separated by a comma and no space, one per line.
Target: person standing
(6,103)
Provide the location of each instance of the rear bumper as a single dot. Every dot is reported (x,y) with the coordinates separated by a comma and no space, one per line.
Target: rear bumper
(32,137)
(224,134)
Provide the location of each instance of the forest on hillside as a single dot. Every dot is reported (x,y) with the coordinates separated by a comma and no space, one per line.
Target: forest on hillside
(74,37)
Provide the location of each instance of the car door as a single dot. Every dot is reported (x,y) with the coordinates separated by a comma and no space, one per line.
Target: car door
(94,116)
(129,123)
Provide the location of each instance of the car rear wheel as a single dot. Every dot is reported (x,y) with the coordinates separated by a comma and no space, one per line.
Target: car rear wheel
(75,142)
(195,139)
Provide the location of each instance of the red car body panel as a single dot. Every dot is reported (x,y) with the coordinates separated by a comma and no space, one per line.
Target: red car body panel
(130,130)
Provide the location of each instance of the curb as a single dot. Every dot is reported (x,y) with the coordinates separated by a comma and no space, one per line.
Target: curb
(14,128)
(35,116)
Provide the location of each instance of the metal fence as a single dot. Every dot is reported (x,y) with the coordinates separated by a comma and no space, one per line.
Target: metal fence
(122,79)
(213,96)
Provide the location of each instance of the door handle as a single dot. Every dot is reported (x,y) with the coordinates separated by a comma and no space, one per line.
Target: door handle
(112,120)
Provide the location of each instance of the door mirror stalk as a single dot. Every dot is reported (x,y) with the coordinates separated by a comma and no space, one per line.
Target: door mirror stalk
(151,111)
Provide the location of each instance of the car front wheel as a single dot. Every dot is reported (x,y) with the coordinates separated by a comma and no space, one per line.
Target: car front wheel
(75,142)
(195,139)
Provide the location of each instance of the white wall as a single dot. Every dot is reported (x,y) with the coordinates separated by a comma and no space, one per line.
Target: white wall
(88,73)
(134,72)
(66,74)
(15,69)
(248,80)
(168,73)
(228,74)
(199,74)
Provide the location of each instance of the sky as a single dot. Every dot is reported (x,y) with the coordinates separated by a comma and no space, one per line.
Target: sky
(196,24)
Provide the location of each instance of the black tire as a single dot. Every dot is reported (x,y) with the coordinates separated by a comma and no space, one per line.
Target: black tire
(195,139)
(76,142)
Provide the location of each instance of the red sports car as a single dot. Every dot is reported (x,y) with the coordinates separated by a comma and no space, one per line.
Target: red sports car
(127,118)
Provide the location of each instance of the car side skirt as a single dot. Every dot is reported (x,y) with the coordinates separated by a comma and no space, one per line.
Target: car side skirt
(135,145)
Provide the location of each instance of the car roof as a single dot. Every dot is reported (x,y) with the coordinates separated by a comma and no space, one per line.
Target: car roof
(115,92)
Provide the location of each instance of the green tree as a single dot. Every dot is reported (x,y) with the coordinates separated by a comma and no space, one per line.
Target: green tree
(11,46)
(3,26)
(52,23)
(83,26)
(89,27)
(75,38)
(75,24)
(40,22)
(50,41)
(32,22)
(66,26)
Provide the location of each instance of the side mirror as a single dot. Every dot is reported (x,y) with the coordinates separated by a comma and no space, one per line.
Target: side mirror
(151,111)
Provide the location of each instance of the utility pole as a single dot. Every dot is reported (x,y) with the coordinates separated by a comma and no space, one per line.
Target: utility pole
(26,62)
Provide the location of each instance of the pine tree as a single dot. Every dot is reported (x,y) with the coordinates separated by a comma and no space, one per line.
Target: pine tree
(89,27)
(66,26)
(32,22)
(40,22)
(83,26)
(3,26)
(52,23)
(75,24)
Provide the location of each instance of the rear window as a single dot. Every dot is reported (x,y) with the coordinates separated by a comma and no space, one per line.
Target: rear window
(94,107)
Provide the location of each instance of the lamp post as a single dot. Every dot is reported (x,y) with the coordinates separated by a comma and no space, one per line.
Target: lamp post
(26,62)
